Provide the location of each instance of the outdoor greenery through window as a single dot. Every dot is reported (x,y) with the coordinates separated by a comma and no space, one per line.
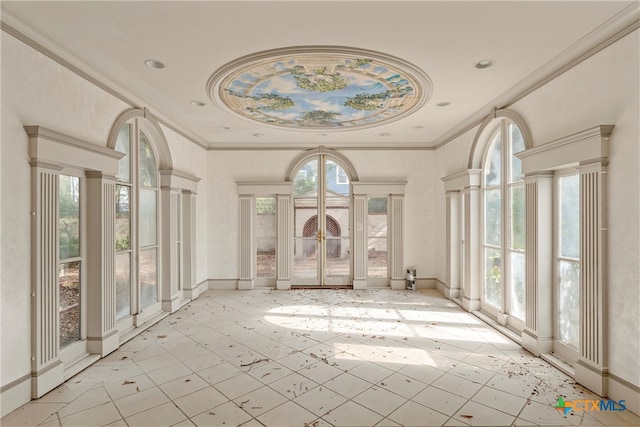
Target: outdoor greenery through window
(377,233)
(568,247)
(265,237)
(70,259)
(504,222)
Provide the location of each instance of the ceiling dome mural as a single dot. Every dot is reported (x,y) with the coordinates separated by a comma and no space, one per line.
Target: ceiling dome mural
(312,88)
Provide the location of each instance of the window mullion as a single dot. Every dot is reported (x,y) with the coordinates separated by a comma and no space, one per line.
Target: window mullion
(135,203)
(506,217)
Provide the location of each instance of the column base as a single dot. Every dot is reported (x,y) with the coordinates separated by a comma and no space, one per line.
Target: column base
(105,344)
(171,305)
(46,379)
(534,344)
(592,377)
(360,284)
(283,285)
(245,284)
(470,304)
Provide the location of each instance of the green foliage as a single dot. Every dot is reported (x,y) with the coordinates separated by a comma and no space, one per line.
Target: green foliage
(318,117)
(273,102)
(122,243)
(265,206)
(304,185)
(319,81)
(367,102)
(377,205)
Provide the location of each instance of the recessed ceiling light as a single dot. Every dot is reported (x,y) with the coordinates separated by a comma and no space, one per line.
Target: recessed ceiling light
(152,63)
(385,134)
(224,127)
(198,103)
(443,104)
(258,135)
(322,134)
(418,127)
(485,63)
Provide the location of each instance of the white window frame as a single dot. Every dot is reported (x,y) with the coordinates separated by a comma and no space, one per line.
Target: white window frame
(371,280)
(502,313)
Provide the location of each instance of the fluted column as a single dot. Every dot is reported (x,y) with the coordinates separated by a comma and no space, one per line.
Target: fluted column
(284,251)
(537,336)
(396,237)
(592,368)
(102,335)
(170,258)
(360,259)
(47,370)
(472,255)
(452,285)
(189,285)
(247,253)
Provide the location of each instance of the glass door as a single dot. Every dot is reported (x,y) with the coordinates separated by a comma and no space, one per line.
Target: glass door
(322,254)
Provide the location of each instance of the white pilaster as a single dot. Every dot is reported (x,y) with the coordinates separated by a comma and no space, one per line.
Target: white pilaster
(170,258)
(47,370)
(247,252)
(537,336)
(451,286)
(360,258)
(102,335)
(190,287)
(592,368)
(472,276)
(396,237)
(284,251)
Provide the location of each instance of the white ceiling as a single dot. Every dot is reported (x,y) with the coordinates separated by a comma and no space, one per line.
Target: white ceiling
(110,41)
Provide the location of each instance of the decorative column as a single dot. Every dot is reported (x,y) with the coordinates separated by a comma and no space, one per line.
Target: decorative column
(189,286)
(102,335)
(247,252)
(451,288)
(592,367)
(537,336)
(472,255)
(47,370)
(360,258)
(284,251)
(396,236)
(170,258)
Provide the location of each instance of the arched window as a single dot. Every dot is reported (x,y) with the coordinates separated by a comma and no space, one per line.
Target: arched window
(504,224)
(137,240)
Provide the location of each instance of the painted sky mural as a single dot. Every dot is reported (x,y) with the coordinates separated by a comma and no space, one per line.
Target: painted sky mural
(321,91)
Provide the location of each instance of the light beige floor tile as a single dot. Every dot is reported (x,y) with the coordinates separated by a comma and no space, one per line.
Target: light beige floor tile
(424,373)
(320,372)
(380,400)
(471,372)
(93,397)
(96,416)
(219,373)
(31,414)
(67,392)
(203,362)
(164,415)
(387,423)
(52,421)
(260,401)
(227,414)
(238,385)
(293,385)
(351,414)
(348,385)
(141,401)
(268,372)
(440,400)
(500,400)
(287,414)
(457,385)
(201,400)
(515,386)
(402,385)
(128,386)
(320,400)
(371,372)
(183,386)
(169,373)
(414,414)
(476,414)
(296,360)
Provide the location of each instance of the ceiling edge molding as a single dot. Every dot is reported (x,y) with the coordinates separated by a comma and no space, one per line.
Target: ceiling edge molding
(619,26)
(102,82)
(311,146)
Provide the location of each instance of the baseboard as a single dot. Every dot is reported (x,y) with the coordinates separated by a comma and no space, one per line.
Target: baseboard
(429,283)
(222,284)
(620,389)
(15,394)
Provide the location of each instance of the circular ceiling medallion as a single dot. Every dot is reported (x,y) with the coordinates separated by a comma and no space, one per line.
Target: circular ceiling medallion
(314,87)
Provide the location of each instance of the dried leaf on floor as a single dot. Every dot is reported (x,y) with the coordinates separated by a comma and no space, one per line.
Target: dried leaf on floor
(128,382)
(467,416)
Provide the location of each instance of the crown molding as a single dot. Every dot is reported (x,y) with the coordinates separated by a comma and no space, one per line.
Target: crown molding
(619,26)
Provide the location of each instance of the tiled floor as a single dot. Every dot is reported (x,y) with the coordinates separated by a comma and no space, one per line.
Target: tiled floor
(316,358)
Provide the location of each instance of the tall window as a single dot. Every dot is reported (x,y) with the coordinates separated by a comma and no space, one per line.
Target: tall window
(69,272)
(504,223)
(377,234)
(266,237)
(136,223)
(567,280)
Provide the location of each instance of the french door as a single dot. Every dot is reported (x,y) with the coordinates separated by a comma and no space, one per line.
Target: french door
(322,221)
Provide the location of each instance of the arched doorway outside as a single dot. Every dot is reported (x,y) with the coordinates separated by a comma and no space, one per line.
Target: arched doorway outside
(321,188)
